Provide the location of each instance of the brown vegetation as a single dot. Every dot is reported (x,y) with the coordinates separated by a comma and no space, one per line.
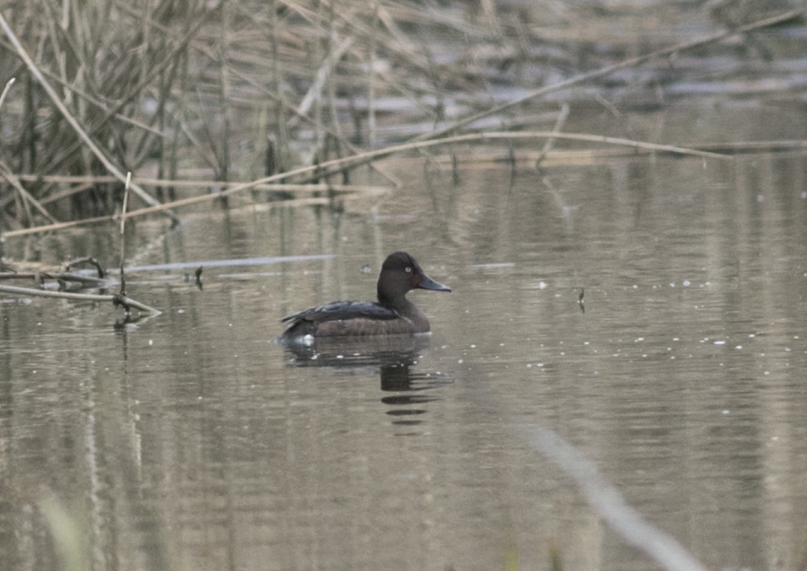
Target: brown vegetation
(209,93)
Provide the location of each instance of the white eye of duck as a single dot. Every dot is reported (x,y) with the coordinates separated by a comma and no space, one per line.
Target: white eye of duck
(408,270)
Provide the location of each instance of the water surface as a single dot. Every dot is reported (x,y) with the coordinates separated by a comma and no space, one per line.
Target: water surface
(190,441)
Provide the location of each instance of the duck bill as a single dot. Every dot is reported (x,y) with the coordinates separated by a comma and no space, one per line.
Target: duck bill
(427,283)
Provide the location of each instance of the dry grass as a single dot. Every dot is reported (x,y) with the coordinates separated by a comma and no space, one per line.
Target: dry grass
(165,88)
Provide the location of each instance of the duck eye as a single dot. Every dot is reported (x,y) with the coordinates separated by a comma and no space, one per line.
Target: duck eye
(408,270)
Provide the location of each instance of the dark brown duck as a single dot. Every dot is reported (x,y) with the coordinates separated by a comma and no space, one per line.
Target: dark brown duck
(393,314)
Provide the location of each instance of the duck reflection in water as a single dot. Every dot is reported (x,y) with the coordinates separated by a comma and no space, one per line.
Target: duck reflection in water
(394,358)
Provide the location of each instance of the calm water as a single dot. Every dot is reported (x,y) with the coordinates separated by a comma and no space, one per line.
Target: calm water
(190,441)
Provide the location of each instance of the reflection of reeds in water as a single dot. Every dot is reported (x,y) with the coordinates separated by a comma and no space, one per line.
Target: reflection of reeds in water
(194,90)
(69,536)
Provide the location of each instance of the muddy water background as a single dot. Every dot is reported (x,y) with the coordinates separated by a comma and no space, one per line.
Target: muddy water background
(192,442)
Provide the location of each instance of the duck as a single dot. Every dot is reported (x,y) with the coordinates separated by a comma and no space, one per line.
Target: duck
(392,314)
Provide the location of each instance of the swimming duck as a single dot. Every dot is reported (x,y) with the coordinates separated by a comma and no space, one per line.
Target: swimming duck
(393,314)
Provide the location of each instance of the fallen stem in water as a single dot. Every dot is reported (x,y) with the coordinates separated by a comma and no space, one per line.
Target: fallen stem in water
(80,297)
(62,278)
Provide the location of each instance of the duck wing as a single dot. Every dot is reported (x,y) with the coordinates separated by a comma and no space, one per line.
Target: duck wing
(339,310)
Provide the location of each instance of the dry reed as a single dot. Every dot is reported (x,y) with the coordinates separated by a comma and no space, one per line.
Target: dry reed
(110,87)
